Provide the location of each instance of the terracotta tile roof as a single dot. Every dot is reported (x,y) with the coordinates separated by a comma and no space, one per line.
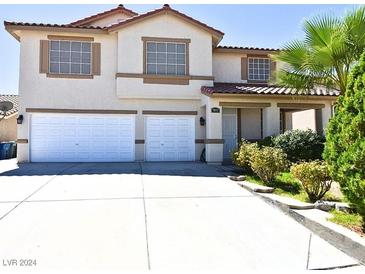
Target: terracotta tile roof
(247,48)
(92,18)
(223,88)
(11,98)
(7,23)
(164,9)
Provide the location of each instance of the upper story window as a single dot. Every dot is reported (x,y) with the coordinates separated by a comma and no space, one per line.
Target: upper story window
(166,58)
(259,69)
(70,57)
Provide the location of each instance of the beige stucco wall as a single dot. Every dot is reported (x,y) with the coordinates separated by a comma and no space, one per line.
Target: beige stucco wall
(130,58)
(8,129)
(251,123)
(227,67)
(305,119)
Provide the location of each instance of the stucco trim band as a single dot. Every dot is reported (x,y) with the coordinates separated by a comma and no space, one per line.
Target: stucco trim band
(244,104)
(168,112)
(143,75)
(209,141)
(69,76)
(214,141)
(86,111)
(300,106)
(70,38)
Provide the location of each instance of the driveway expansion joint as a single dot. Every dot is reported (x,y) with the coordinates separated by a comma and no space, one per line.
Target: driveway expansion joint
(34,192)
(145,216)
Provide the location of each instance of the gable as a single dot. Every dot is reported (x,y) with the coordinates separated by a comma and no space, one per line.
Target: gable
(217,35)
(106,18)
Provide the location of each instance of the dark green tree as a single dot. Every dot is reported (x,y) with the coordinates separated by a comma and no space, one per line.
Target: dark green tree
(345,145)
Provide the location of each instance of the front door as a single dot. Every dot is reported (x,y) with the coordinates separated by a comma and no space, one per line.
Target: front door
(229,127)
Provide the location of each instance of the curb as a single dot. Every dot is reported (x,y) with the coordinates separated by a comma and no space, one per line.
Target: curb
(338,240)
(258,189)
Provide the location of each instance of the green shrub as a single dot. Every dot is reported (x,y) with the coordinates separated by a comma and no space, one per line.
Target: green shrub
(241,157)
(268,162)
(300,145)
(314,177)
(345,145)
(266,142)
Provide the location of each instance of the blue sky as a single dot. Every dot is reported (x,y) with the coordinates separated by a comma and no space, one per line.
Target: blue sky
(243,25)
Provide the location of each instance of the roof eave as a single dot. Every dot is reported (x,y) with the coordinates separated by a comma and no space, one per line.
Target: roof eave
(245,51)
(12,33)
(100,16)
(217,94)
(12,28)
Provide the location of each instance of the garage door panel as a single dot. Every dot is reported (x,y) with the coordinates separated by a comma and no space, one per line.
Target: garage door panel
(183,156)
(170,138)
(82,138)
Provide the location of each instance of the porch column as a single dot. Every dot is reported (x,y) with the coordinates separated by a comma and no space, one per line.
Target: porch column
(319,121)
(271,120)
(326,114)
(214,140)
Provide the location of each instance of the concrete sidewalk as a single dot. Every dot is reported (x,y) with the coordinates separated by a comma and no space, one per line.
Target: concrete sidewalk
(140,216)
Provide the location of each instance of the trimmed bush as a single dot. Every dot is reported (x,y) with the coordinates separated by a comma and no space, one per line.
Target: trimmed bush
(300,145)
(241,157)
(314,177)
(268,162)
(345,145)
(266,142)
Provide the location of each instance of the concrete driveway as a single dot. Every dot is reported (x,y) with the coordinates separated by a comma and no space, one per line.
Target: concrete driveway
(118,216)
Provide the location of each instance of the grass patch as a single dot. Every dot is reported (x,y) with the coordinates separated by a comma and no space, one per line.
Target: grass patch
(286,185)
(350,220)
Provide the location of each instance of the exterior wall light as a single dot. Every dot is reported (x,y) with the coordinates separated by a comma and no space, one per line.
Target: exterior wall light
(202,121)
(19,120)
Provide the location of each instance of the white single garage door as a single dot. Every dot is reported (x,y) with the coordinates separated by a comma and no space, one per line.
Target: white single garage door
(82,138)
(170,138)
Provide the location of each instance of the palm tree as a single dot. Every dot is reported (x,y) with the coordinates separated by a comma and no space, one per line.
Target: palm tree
(326,55)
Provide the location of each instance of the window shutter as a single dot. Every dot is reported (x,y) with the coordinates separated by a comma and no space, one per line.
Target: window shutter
(244,68)
(96,52)
(273,71)
(43,56)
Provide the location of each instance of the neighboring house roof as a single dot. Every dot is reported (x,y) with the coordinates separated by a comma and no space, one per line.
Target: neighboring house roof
(93,18)
(225,88)
(166,9)
(11,98)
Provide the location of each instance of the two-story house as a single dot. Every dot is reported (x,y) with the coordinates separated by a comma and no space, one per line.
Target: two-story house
(119,86)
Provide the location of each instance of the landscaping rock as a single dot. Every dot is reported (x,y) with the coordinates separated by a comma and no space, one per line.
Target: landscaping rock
(237,178)
(343,207)
(324,205)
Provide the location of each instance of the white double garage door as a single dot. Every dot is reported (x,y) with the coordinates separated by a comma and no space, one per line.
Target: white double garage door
(109,138)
